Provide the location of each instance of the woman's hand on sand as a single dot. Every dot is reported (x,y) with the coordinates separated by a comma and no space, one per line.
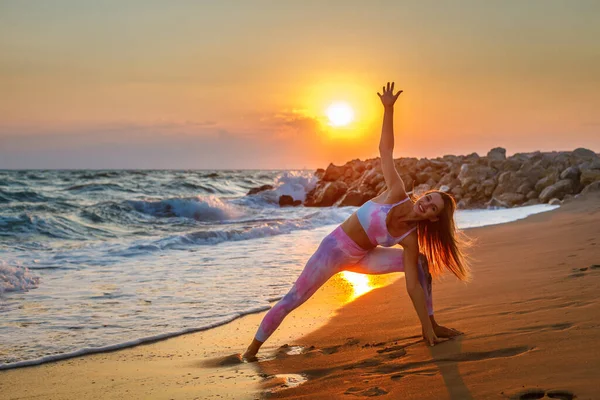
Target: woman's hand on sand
(388,98)
(430,337)
(443,332)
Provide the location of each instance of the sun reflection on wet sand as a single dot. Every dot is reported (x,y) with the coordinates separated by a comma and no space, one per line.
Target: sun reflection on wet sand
(359,284)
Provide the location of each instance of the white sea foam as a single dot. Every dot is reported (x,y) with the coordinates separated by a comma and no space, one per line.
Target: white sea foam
(295,184)
(201,208)
(15,278)
(129,343)
(475,218)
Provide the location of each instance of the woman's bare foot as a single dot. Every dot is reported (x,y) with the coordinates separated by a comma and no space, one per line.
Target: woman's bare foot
(443,332)
(250,354)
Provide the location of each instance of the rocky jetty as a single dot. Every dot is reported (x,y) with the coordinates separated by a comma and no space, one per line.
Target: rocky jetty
(475,181)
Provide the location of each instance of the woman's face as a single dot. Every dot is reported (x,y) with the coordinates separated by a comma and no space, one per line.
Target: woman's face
(429,206)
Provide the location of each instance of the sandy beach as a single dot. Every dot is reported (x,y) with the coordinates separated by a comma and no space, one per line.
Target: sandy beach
(530,319)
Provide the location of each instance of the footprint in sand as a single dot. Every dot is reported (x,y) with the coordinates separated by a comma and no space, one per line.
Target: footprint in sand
(277,383)
(579,272)
(544,394)
(370,392)
(226,361)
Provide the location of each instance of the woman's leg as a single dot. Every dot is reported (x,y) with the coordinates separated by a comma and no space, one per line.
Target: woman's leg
(326,262)
(383,260)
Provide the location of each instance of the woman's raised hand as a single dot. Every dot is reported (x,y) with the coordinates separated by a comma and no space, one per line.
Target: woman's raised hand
(388,98)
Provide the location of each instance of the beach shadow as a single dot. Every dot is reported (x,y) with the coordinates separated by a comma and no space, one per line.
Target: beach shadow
(457,389)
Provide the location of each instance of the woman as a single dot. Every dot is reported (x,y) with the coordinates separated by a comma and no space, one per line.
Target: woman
(388,219)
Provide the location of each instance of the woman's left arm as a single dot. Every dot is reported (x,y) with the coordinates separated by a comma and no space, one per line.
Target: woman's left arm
(414,289)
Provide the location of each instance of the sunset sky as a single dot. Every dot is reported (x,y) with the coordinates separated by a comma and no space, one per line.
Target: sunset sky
(246,83)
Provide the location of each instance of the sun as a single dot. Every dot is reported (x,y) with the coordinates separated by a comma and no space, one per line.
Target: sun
(340,114)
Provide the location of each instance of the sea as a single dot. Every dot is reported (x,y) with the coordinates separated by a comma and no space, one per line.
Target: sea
(95,260)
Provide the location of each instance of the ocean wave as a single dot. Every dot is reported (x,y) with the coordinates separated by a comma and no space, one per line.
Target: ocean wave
(207,188)
(295,184)
(247,230)
(22,196)
(291,183)
(57,227)
(95,187)
(201,208)
(16,278)
(101,174)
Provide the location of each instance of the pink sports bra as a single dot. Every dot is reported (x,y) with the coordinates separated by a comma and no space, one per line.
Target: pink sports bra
(372,217)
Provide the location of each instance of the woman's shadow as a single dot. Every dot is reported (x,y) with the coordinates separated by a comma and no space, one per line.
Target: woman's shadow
(448,366)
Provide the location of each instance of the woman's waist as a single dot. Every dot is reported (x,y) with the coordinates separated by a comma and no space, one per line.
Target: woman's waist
(355,232)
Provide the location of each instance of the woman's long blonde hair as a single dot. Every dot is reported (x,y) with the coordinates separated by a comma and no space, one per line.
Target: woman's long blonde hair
(442,243)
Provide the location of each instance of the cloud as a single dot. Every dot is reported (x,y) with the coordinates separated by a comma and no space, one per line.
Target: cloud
(282,142)
(289,123)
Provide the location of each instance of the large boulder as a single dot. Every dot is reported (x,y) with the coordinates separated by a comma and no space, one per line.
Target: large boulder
(532,171)
(546,181)
(488,187)
(583,153)
(508,182)
(464,203)
(589,176)
(495,203)
(327,195)
(457,191)
(511,199)
(497,154)
(355,198)
(259,189)
(592,187)
(473,173)
(422,188)
(572,173)
(525,188)
(333,173)
(558,190)
(449,179)
(287,201)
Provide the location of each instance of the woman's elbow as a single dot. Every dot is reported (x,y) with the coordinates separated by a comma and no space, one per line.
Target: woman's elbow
(385,150)
(412,287)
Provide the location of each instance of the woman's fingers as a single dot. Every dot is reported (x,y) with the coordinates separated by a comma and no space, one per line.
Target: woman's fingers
(389,87)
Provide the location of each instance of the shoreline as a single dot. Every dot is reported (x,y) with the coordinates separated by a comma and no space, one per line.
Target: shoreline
(188,366)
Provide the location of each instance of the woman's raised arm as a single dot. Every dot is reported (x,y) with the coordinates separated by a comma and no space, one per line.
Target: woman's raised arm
(386,144)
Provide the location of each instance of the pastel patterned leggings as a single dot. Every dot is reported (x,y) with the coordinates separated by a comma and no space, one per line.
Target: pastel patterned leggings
(336,253)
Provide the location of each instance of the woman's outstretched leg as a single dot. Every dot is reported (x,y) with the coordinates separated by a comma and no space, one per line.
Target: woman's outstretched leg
(333,253)
(382,260)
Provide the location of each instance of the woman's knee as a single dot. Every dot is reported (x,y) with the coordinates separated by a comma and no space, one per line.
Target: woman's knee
(290,301)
